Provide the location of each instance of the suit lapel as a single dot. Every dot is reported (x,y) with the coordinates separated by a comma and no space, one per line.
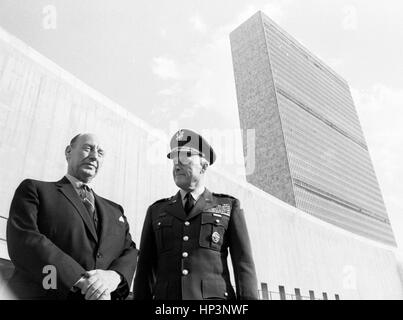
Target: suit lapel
(175,207)
(104,217)
(68,191)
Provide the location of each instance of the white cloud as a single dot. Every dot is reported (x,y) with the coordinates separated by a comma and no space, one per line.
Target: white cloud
(173,90)
(335,63)
(275,10)
(206,72)
(198,24)
(350,19)
(165,68)
(244,15)
(163,32)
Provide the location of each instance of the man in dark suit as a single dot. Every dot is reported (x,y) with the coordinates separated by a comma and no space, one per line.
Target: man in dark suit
(65,230)
(186,238)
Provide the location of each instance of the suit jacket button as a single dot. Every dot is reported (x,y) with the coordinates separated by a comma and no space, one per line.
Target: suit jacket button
(99,255)
(185,272)
(185,238)
(185,254)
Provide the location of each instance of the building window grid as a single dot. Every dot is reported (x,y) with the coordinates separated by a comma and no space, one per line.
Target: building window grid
(383,234)
(329,211)
(313,146)
(365,210)
(293,76)
(323,120)
(307,73)
(374,208)
(303,71)
(295,60)
(330,169)
(357,162)
(333,167)
(307,56)
(337,190)
(323,181)
(271,29)
(323,174)
(328,104)
(321,133)
(326,108)
(324,102)
(322,141)
(353,207)
(348,174)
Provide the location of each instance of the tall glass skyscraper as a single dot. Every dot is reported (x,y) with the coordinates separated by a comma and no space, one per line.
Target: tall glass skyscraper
(310,150)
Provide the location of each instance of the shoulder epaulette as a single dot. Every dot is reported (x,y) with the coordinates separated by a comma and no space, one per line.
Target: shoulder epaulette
(162,200)
(223,195)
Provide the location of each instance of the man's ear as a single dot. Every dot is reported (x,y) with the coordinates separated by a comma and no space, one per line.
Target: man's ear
(67,152)
(204,167)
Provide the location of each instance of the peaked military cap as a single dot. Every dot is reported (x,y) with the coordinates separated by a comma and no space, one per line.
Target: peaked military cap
(186,140)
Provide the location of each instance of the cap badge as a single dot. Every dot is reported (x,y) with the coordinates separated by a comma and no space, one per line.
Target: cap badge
(179,135)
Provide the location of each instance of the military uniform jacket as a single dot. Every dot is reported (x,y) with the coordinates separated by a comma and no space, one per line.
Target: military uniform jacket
(185,257)
(49,225)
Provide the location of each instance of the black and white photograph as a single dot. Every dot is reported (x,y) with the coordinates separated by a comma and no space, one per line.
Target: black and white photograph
(202,150)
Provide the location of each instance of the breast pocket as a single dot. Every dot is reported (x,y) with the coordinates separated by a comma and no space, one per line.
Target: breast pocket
(212,231)
(118,228)
(163,233)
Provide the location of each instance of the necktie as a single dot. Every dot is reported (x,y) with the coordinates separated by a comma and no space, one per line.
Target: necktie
(88,199)
(189,204)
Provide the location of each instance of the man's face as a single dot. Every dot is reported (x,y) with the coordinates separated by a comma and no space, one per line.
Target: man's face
(84,158)
(187,171)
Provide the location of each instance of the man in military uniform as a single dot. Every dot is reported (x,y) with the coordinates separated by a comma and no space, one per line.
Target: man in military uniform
(186,238)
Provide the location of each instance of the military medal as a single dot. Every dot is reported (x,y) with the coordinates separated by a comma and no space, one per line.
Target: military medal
(215,237)
(221,209)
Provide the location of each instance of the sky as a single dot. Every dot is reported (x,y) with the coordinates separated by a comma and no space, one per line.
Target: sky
(169,62)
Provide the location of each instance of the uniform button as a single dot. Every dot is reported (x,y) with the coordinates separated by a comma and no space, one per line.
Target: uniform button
(217,221)
(185,272)
(185,254)
(159,223)
(185,238)
(226,294)
(187,223)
